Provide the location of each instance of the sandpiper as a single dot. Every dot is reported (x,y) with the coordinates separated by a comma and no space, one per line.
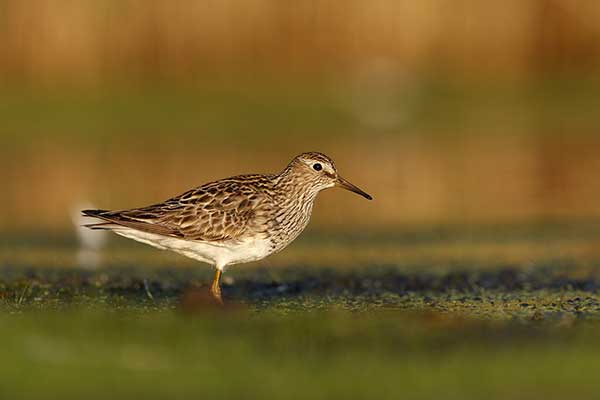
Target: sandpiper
(235,220)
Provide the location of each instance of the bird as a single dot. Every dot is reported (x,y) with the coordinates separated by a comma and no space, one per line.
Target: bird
(231,221)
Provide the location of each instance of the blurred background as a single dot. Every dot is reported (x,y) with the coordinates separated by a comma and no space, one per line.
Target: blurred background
(475,272)
(447,112)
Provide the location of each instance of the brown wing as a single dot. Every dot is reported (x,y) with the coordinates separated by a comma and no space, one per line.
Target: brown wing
(219,211)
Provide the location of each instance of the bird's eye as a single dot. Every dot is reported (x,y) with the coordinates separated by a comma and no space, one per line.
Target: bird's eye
(317,167)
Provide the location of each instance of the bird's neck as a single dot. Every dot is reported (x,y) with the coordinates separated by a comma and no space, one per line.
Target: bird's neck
(295,201)
(293,188)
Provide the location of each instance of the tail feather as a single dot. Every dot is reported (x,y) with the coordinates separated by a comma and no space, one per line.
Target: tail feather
(99,225)
(115,220)
(94,213)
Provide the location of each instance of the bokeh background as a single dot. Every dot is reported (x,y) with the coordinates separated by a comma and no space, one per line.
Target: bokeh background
(447,112)
(475,272)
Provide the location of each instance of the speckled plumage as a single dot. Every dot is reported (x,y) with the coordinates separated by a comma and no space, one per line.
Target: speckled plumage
(238,219)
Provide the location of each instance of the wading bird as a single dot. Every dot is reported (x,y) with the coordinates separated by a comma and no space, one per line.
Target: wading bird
(232,221)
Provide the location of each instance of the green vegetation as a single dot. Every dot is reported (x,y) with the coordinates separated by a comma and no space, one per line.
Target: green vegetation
(266,108)
(386,354)
(432,317)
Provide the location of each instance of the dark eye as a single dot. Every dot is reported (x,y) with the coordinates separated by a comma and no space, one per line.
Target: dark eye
(317,167)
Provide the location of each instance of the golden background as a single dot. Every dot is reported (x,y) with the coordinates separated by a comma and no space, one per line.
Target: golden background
(446,111)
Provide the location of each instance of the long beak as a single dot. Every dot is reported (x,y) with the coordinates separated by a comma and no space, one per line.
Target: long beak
(341,182)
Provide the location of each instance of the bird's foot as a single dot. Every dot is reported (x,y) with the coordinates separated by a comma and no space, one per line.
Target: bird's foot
(215,291)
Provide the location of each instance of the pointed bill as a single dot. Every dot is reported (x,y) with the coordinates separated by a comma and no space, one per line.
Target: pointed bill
(341,182)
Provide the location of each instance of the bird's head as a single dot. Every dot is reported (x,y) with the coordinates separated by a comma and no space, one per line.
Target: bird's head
(318,171)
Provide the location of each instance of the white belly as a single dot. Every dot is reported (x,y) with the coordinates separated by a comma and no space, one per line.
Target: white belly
(218,254)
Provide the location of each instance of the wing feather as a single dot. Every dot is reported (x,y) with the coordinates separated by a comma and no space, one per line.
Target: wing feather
(219,211)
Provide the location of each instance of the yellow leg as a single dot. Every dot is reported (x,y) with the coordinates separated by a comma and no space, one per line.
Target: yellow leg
(215,289)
